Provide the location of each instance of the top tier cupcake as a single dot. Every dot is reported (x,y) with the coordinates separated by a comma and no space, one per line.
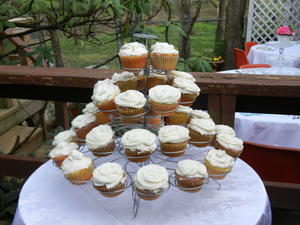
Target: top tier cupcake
(125,80)
(164,56)
(133,55)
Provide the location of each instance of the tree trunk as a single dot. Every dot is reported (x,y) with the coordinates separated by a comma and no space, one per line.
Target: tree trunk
(185,23)
(219,38)
(56,48)
(235,12)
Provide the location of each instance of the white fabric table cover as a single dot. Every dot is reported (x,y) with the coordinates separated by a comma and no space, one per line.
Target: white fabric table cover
(290,71)
(47,198)
(269,54)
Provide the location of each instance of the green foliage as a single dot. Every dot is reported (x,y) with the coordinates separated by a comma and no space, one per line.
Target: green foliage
(194,64)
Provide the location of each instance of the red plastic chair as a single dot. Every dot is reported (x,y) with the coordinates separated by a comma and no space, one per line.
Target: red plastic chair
(247,66)
(240,57)
(248,46)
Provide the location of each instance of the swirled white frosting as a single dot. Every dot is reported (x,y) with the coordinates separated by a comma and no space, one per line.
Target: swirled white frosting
(83,120)
(219,158)
(63,148)
(90,108)
(164,94)
(191,168)
(99,136)
(181,74)
(131,98)
(124,76)
(230,141)
(203,126)
(153,74)
(109,174)
(199,114)
(173,134)
(139,139)
(184,109)
(163,48)
(64,136)
(104,90)
(186,86)
(133,49)
(75,161)
(224,129)
(152,177)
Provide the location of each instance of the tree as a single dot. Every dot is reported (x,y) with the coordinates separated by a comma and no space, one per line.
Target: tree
(219,38)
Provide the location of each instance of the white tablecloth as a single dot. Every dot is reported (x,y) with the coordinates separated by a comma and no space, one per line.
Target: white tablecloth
(47,198)
(269,54)
(291,71)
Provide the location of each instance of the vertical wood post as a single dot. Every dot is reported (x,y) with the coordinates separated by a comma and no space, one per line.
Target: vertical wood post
(228,103)
(214,108)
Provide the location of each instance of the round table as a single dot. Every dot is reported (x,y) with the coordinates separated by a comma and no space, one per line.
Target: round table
(47,198)
(269,54)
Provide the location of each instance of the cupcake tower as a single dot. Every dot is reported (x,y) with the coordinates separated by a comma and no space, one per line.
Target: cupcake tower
(122,119)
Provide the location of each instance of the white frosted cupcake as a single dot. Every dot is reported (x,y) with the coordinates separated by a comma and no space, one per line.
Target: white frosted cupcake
(61,152)
(202,131)
(180,117)
(101,117)
(180,74)
(133,55)
(77,168)
(164,56)
(90,108)
(173,140)
(138,144)
(64,136)
(109,179)
(199,114)
(164,99)
(130,103)
(190,175)
(100,140)
(231,144)
(150,181)
(155,79)
(125,81)
(189,90)
(218,163)
(224,129)
(104,93)
(82,124)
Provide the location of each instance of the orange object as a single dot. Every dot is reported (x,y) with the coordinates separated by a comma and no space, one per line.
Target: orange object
(247,66)
(240,57)
(248,46)
(276,164)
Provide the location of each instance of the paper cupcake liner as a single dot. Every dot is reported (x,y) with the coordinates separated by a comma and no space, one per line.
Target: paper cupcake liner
(108,106)
(134,62)
(135,120)
(80,176)
(213,142)
(118,189)
(216,172)
(200,140)
(129,111)
(154,81)
(102,118)
(127,85)
(173,149)
(164,62)
(82,132)
(59,159)
(187,182)
(104,150)
(163,109)
(177,118)
(187,99)
(137,156)
(147,195)
(141,83)
(231,152)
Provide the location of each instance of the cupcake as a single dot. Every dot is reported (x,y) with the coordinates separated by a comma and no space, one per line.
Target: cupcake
(104,94)
(199,114)
(155,79)
(231,144)
(173,140)
(101,117)
(109,179)
(190,175)
(202,132)
(218,163)
(164,56)
(180,74)
(131,120)
(64,136)
(180,117)
(222,129)
(82,124)
(133,56)
(125,81)
(141,80)
(100,140)
(150,181)
(138,144)
(164,99)
(90,108)
(130,103)
(189,90)
(61,152)
(153,120)
(77,168)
